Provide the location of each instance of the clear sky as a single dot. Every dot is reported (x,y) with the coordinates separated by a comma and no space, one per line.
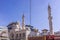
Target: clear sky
(12,10)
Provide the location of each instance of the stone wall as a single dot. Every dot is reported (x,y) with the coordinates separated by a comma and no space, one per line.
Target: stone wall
(36,38)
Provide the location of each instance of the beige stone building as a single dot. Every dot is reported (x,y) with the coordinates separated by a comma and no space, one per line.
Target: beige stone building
(18,32)
(4,33)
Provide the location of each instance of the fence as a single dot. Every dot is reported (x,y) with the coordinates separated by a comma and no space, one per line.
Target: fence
(48,37)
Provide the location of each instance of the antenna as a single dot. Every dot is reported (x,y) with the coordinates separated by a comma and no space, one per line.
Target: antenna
(30,12)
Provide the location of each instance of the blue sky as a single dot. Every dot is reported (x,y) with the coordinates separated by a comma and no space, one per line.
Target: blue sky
(12,10)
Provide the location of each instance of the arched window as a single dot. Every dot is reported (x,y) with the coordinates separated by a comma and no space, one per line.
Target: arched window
(23,34)
(12,35)
(19,35)
(16,35)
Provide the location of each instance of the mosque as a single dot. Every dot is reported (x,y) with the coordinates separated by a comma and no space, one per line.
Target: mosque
(15,31)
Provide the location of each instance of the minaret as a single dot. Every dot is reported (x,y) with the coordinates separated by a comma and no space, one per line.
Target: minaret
(50,20)
(23,25)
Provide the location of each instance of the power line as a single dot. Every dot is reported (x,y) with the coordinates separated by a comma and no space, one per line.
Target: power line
(30,12)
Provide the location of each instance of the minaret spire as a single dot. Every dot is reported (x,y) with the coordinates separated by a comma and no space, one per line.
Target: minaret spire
(50,20)
(23,24)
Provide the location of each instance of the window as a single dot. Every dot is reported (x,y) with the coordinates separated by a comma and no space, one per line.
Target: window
(26,28)
(19,35)
(16,35)
(12,35)
(23,34)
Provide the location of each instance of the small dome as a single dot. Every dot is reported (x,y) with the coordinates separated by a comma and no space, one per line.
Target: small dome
(44,30)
